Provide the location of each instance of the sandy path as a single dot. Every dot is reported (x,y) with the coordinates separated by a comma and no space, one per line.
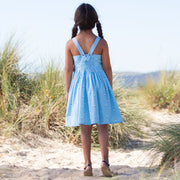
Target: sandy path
(34,157)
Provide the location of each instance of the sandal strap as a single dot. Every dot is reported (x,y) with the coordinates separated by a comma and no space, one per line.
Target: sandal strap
(87,166)
(106,163)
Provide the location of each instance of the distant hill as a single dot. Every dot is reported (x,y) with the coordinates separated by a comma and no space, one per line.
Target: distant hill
(133,79)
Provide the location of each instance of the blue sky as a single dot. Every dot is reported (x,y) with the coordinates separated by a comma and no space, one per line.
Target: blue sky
(143,35)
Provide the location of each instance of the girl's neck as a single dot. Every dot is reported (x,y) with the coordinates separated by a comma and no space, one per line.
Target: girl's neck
(89,32)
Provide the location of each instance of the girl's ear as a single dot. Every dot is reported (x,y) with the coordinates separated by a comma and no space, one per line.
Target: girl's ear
(74,30)
(99,29)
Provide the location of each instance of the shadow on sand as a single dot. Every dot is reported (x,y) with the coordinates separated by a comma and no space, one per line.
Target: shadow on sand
(119,172)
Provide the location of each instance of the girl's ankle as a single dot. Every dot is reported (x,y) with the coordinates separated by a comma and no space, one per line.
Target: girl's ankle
(105,163)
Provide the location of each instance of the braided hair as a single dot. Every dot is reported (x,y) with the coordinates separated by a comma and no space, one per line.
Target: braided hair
(86,18)
(74,30)
(99,29)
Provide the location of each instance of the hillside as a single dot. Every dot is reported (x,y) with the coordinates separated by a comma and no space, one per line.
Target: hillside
(133,79)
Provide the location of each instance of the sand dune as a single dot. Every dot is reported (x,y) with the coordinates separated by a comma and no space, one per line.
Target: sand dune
(33,157)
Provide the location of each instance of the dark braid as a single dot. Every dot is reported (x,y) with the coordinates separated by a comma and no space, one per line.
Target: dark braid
(99,29)
(74,30)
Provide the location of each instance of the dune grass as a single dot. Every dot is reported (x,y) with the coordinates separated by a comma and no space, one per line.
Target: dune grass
(37,104)
(15,86)
(167,142)
(134,118)
(46,107)
(165,93)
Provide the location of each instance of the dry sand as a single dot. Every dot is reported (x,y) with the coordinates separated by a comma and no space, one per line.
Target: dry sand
(33,157)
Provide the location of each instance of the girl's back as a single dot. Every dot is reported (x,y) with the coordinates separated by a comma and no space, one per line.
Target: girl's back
(86,41)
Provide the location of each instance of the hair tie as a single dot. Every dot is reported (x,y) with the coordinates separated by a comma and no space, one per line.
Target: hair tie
(97,22)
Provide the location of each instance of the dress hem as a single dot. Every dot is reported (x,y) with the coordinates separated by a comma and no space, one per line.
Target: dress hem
(93,124)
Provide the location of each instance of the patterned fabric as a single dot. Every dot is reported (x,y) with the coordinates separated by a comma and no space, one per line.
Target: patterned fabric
(91,99)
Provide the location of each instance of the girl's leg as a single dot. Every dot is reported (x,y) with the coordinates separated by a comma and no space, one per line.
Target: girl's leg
(86,143)
(103,138)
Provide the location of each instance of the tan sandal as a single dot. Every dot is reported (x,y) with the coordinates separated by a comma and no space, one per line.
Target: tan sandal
(88,172)
(106,170)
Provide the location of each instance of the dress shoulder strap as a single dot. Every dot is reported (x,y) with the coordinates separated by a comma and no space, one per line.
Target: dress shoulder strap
(78,46)
(94,45)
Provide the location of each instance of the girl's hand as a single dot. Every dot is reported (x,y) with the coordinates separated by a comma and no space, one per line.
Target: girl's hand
(67,97)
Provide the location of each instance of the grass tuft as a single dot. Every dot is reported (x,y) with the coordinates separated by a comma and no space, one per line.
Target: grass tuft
(167,142)
(165,93)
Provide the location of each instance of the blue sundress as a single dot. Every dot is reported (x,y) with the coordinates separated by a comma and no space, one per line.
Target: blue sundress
(90,99)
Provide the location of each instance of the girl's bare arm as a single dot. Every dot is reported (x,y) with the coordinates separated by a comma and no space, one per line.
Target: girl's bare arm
(68,66)
(106,61)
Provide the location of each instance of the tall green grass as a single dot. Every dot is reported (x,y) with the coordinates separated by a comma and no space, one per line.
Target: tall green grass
(46,108)
(15,86)
(167,142)
(165,93)
(134,118)
(8,73)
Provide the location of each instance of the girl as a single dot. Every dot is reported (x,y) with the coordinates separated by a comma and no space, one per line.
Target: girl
(89,95)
